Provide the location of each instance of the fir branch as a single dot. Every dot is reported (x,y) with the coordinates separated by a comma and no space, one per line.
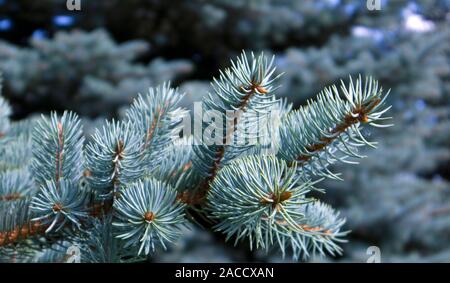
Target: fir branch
(55,253)
(138,181)
(262,199)
(176,168)
(320,232)
(58,149)
(15,153)
(156,117)
(21,239)
(269,137)
(148,215)
(16,225)
(100,245)
(113,157)
(15,185)
(56,205)
(329,128)
(246,87)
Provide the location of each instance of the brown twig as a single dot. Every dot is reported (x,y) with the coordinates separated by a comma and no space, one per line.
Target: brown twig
(11,197)
(22,232)
(151,130)
(59,154)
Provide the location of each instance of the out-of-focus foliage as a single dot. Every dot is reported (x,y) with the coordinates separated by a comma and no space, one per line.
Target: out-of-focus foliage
(82,71)
(216,28)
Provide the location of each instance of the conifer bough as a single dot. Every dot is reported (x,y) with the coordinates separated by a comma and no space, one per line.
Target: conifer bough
(132,189)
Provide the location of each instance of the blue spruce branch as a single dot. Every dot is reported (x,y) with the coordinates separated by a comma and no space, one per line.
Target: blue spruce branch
(133,187)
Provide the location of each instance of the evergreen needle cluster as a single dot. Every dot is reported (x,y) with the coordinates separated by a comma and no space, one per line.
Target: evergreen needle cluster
(135,185)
